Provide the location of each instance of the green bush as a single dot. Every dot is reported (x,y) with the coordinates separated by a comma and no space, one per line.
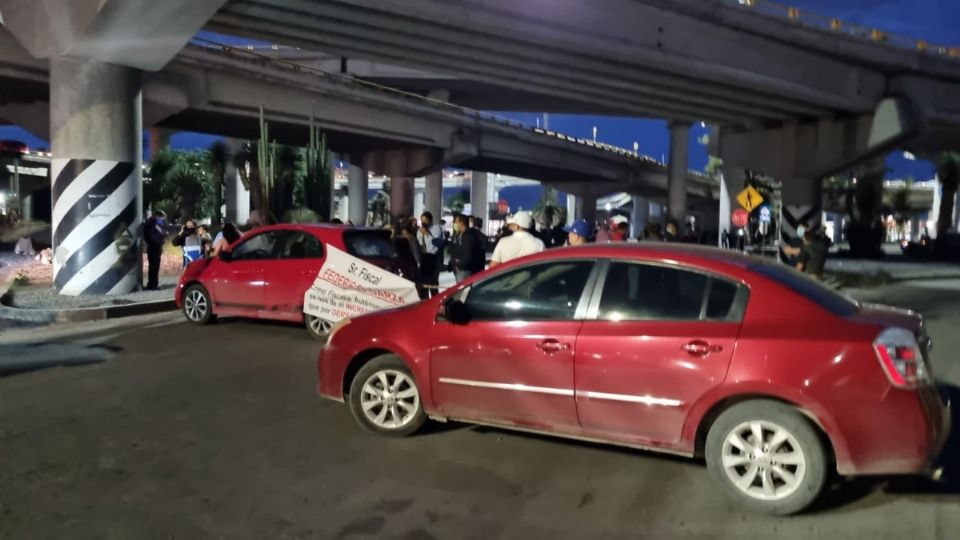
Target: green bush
(301,215)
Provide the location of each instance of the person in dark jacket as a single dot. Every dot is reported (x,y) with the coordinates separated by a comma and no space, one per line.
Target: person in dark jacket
(468,255)
(153,237)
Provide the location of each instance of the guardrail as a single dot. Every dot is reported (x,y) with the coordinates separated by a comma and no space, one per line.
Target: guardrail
(834,24)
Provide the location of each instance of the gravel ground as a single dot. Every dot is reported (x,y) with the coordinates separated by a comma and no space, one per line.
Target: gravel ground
(47,297)
(38,293)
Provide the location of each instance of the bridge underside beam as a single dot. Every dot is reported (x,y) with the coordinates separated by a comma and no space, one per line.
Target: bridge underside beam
(650,70)
(821,148)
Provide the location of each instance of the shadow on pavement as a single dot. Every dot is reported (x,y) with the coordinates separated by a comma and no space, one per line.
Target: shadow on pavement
(844,492)
(18,359)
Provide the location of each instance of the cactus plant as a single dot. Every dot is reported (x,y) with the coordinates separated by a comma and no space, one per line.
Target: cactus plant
(319,172)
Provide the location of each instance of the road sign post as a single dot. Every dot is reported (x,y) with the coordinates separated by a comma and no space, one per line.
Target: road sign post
(750,198)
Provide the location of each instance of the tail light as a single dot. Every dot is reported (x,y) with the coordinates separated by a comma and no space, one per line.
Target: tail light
(901,358)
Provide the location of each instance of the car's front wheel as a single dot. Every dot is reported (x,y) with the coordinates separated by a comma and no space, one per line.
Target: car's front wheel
(768,456)
(318,328)
(384,398)
(197,305)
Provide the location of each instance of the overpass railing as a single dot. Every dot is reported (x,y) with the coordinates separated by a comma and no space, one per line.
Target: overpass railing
(834,24)
(252,52)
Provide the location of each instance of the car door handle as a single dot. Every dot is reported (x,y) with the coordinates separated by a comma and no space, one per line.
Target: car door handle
(552,345)
(701,348)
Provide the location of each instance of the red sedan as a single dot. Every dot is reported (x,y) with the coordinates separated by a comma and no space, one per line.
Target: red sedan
(771,377)
(266,272)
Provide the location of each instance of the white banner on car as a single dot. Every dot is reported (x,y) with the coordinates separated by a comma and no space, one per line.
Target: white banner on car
(347,286)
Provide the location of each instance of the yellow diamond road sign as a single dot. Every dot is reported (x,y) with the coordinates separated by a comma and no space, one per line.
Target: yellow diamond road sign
(750,198)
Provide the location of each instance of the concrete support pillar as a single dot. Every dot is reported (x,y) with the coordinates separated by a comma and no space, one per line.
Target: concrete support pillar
(586,208)
(801,205)
(357,193)
(571,208)
(915,227)
(956,212)
(401,198)
(478,194)
(96,134)
(236,196)
(935,209)
(677,172)
(640,217)
(433,194)
(418,202)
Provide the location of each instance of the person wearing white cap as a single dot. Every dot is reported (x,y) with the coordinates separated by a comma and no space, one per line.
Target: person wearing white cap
(619,228)
(518,244)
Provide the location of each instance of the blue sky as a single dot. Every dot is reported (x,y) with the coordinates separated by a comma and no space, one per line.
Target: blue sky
(933,20)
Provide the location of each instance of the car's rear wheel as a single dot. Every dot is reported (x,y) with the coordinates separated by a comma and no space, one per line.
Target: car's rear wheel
(318,328)
(767,456)
(384,398)
(197,305)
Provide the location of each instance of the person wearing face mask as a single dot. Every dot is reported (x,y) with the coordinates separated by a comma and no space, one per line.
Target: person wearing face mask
(794,248)
(154,236)
(190,241)
(468,254)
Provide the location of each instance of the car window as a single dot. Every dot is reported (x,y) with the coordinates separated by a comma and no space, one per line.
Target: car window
(369,244)
(541,292)
(636,291)
(300,245)
(260,246)
(803,284)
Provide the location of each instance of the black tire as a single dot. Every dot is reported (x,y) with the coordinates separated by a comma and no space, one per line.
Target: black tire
(318,328)
(196,297)
(392,369)
(773,467)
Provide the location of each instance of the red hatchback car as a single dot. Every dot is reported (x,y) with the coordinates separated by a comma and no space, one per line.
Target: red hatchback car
(771,377)
(267,271)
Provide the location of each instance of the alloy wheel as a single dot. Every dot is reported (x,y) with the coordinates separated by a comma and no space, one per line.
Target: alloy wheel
(763,460)
(389,399)
(319,326)
(195,305)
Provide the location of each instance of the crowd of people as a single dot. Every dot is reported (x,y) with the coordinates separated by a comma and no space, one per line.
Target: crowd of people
(425,250)
(193,238)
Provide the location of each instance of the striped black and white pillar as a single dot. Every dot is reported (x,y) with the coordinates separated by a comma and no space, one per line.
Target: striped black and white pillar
(802,205)
(96,176)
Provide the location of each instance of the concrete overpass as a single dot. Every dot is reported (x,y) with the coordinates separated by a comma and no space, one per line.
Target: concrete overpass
(795,96)
(218,89)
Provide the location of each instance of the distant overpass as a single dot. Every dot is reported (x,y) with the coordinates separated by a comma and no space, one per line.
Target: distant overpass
(219,90)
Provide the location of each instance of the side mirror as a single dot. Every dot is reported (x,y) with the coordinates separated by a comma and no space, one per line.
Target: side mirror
(456,312)
(226,256)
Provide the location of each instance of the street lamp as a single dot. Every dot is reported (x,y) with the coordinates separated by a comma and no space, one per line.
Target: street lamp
(594,134)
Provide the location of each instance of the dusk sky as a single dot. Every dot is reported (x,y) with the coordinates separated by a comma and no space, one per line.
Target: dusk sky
(933,20)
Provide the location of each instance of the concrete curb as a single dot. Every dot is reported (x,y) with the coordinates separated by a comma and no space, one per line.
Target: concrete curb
(9,312)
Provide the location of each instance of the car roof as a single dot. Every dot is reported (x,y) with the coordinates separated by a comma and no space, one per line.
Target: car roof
(316,227)
(651,250)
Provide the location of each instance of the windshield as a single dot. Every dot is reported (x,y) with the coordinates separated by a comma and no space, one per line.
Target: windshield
(827,298)
(369,244)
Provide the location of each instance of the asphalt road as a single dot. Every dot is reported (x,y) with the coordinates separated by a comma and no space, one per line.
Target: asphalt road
(217,432)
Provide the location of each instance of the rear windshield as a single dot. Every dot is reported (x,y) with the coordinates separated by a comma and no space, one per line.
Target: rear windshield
(369,244)
(827,298)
